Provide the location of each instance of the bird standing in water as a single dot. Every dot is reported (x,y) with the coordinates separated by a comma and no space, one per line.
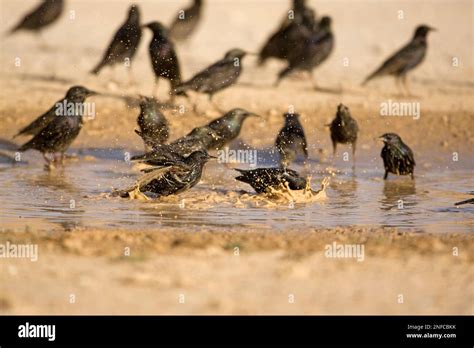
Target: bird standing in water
(174,177)
(153,125)
(313,53)
(164,59)
(124,44)
(406,59)
(397,156)
(344,129)
(291,140)
(42,16)
(55,132)
(186,21)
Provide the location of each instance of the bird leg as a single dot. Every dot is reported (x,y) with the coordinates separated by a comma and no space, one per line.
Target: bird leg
(46,158)
(334,147)
(405,84)
(154,91)
(386,175)
(353,154)
(313,81)
(131,80)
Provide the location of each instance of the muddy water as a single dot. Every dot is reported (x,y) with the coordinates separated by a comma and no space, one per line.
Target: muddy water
(78,195)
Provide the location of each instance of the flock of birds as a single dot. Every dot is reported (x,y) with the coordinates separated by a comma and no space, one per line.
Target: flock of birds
(302,41)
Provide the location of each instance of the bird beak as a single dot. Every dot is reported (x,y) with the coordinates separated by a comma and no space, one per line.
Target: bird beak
(433,29)
(253,114)
(212,157)
(145,25)
(89,92)
(381,138)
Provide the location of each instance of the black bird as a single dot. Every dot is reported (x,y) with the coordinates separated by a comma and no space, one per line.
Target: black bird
(42,16)
(60,131)
(264,179)
(175,177)
(313,53)
(227,127)
(343,129)
(216,77)
(292,34)
(200,138)
(212,136)
(406,59)
(397,156)
(76,94)
(163,56)
(291,140)
(125,42)
(153,125)
(186,21)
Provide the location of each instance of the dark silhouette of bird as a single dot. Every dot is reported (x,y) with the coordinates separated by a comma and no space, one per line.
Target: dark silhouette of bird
(186,21)
(175,177)
(228,126)
(125,42)
(62,129)
(212,136)
(397,156)
(163,56)
(42,16)
(314,52)
(291,140)
(405,59)
(153,125)
(216,77)
(200,138)
(264,179)
(343,129)
(76,94)
(292,35)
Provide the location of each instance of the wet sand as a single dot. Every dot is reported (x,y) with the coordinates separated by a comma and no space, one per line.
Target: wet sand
(190,252)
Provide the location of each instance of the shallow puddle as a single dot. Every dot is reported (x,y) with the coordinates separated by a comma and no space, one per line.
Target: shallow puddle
(78,195)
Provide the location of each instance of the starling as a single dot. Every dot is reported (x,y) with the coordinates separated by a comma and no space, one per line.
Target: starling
(57,134)
(343,129)
(227,127)
(264,179)
(163,56)
(313,53)
(153,125)
(218,76)
(45,14)
(76,94)
(291,35)
(407,58)
(124,43)
(397,156)
(175,177)
(291,140)
(199,138)
(186,21)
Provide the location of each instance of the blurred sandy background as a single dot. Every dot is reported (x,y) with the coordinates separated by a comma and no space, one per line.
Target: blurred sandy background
(271,266)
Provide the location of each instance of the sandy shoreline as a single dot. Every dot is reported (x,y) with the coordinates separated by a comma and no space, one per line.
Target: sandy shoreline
(230,272)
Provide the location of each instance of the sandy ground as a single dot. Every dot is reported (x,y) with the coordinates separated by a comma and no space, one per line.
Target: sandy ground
(230,272)
(201,265)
